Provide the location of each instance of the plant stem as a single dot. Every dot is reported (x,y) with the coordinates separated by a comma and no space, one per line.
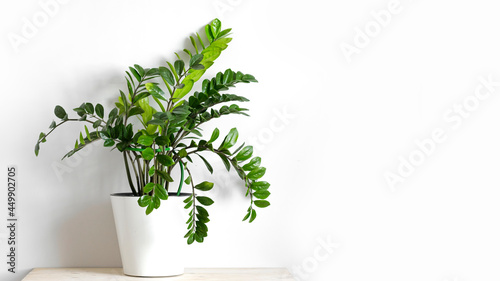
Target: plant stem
(135,173)
(128,174)
(194,199)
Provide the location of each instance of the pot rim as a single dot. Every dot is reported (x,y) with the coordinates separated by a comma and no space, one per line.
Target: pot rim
(130,194)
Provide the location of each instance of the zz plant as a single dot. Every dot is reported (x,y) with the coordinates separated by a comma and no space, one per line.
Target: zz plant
(170,132)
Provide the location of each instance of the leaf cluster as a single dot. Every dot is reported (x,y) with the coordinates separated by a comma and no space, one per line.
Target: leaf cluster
(169,134)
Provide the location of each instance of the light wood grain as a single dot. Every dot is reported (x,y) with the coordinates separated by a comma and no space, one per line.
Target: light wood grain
(116,274)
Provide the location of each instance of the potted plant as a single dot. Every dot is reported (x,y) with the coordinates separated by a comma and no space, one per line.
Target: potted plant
(168,134)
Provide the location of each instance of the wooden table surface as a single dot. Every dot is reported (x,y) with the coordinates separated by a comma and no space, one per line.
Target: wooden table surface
(116,274)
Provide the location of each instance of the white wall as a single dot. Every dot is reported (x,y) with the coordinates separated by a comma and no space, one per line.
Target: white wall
(330,126)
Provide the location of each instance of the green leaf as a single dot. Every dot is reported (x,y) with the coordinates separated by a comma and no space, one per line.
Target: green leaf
(260,185)
(225,161)
(140,96)
(97,124)
(165,175)
(199,40)
(172,68)
(99,110)
(249,78)
(155,91)
(198,66)
(135,73)
(183,153)
(190,239)
(89,108)
(228,76)
(180,93)
(165,160)
(247,216)
(109,143)
(202,219)
(161,192)
(156,122)
(216,27)
(82,140)
(208,32)
(60,112)
(135,110)
(215,135)
(257,173)
(261,203)
(37,148)
(253,216)
(52,125)
(204,200)
(262,194)
(188,180)
(166,74)
(244,154)
(113,113)
(80,110)
(187,200)
(193,42)
(41,137)
(202,211)
(162,140)
(148,154)
(123,100)
(139,69)
(204,186)
(196,59)
(179,66)
(253,164)
(144,200)
(230,139)
(87,133)
(145,140)
(209,167)
(156,201)
(151,171)
(224,32)
(149,187)
(150,208)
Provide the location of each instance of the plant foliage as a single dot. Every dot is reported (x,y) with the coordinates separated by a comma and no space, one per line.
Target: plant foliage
(170,134)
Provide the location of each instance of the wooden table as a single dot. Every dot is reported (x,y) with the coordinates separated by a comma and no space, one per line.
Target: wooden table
(116,274)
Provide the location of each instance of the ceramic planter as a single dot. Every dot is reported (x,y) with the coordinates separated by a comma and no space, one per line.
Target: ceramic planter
(150,245)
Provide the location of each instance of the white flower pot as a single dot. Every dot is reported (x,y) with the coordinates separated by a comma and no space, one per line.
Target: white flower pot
(150,245)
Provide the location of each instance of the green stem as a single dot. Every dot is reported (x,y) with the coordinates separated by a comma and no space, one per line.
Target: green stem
(182,178)
(129,178)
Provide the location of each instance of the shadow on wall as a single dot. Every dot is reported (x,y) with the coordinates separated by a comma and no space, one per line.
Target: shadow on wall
(88,239)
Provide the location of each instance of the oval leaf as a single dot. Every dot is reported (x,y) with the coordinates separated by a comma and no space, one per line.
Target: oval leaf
(244,154)
(60,112)
(204,186)
(204,200)
(148,154)
(165,160)
(257,173)
(261,203)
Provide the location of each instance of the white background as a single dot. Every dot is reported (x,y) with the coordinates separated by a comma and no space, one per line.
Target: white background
(329,125)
